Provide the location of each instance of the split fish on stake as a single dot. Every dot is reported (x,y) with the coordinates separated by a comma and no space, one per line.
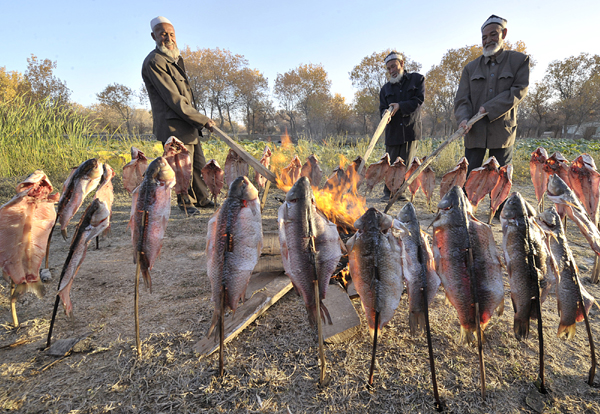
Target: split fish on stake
(178,158)
(213,176)
(234,167)
(133,171)
(456,176)
(539,178)
(312,170)
(376,172)
(481,181)
(265,160)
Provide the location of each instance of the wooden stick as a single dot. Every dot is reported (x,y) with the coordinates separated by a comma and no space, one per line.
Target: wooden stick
(372,369)
(477,316)
(320,331)
(246,156)
(222,334)
(263,200)
(136,297)
(429,159)
(385,118)
(13,304)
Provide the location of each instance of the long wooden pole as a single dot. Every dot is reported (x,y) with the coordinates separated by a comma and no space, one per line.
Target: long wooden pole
(136,296)
(253,162)
(372,369)
(429,159)
(477,316)
(387,114)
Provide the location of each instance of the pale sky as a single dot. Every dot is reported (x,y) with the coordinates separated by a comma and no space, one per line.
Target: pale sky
(96,43)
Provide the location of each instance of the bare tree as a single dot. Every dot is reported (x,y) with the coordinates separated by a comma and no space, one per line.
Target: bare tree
(120,99)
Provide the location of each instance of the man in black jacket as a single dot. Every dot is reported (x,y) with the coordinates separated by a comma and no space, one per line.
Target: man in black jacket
(404,93)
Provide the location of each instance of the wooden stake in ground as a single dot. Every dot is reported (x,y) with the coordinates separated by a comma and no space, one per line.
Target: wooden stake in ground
(253,162)
(475,300)
(222,333)
(312,251)
(263,201)
(429,159)
(372,369)
(385,118)
(13,304)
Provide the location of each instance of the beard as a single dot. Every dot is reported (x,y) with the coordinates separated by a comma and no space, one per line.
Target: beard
(173,54)
(492,48)
(398,77)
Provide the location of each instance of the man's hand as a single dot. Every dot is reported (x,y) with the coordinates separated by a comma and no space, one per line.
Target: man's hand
(395,108)
(464,125)
(209,125)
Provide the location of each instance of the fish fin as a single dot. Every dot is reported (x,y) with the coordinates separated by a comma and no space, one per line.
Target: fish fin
(312,314)
(325,314)
(64,234)
(350,243)
(521,328)
(214,326)
(37,288)
(566,332)
(416,320)
(147,280)
(467,336)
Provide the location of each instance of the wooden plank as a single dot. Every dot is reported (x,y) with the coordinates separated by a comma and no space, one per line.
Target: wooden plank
(266,288)
(385,118)
(346,322)
(352,293)
(239,150)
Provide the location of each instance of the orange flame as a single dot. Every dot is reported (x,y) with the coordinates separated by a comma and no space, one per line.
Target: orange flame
(286,141)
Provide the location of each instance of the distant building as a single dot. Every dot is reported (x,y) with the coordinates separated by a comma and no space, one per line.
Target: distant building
(587,130)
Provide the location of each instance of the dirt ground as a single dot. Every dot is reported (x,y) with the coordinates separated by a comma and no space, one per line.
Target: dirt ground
(272,366)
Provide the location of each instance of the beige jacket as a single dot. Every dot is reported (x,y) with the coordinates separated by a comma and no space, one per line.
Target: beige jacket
(173,106)
(499,87)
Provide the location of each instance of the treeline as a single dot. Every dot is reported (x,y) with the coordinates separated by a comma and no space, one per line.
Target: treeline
(300,100)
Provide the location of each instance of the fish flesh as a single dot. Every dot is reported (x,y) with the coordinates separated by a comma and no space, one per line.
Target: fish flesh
(213,176)
(312,170)
(395,176)
(25,224)
(105,191)
(133,171)
(153,196)
(585,182)
(334,181)
(94,221)
(233,246)
(376,172)
(481,181)
(351,180)
(427,178)
(80,183)
(265,160)
(562,195)
(178,158)
(375,267)
(416,184)
(557,164)
(456,176)
(301,224)
(291,173)
(502,188)
(235,167)
(455,232)
(418,267)
(567,289)
(528,261)
(539,178)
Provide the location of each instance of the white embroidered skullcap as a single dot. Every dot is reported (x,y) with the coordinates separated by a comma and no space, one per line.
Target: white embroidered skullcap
(493,19)
(394,55)
(159,20)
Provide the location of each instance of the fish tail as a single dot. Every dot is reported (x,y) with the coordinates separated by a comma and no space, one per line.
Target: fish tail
(214,328)
(567,332)
(147,280)
(416,320)
(312,314)
(67,305)
(325,313)
(37,288)
(467,336)
(521,328)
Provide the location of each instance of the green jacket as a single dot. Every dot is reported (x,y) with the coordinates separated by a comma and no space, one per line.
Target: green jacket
(499,87)
(173,107)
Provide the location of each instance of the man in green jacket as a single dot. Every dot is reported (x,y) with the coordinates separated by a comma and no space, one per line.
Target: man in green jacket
(496,83)
(174,109)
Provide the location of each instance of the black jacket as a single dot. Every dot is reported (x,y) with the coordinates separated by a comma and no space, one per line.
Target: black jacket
(409,93)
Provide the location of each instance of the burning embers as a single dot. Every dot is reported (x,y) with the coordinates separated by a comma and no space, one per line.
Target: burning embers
(338,199)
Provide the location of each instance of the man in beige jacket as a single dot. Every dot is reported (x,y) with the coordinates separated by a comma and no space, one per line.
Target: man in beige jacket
(173,108)
(496,83)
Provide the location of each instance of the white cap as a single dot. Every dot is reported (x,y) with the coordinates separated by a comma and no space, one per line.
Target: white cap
(159,20)
(493,19)
(393,55)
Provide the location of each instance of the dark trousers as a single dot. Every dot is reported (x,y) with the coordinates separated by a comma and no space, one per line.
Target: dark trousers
(198,191)
(406,151)
(475,156)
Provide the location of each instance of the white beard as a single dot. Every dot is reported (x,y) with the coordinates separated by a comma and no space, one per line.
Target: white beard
(492,49)
(174,54)
(398,77)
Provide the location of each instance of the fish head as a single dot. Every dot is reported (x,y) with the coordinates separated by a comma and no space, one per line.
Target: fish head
(373,219)
(37,184)
(407,221)
(514,208)
(242,189)
(550,221)
(540,155)
(101,214)
(301,190)
(174,146)
(556,186)
(453,208)
(160,170)
(407,213)
(491,163)
(91,168)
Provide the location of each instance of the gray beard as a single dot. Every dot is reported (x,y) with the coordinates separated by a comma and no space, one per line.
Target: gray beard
(397,78)
(173,54)
(487,51)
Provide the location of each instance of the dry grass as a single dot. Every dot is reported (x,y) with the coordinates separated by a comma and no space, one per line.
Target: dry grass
(272,366)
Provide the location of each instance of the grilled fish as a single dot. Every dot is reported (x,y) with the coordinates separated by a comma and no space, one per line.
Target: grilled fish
(418,267)
(25,224)
(80,183)
(376,172)
(235,167)
(539,178)
(133,171)
(456,176)
(233,246)
(94,221)
(557,164)
(416,184)
(585,182)
(528,261)
(427,179)
(312,171)
(299,224)
(213,175)
(481,181)
(178,158)
(567,289)
(265,160)
(395,175)
(291,173)
(154,197)
(455,231)
(502,188)
(374,259)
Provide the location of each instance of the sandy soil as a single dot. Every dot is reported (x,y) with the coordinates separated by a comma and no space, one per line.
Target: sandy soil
(272,366)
